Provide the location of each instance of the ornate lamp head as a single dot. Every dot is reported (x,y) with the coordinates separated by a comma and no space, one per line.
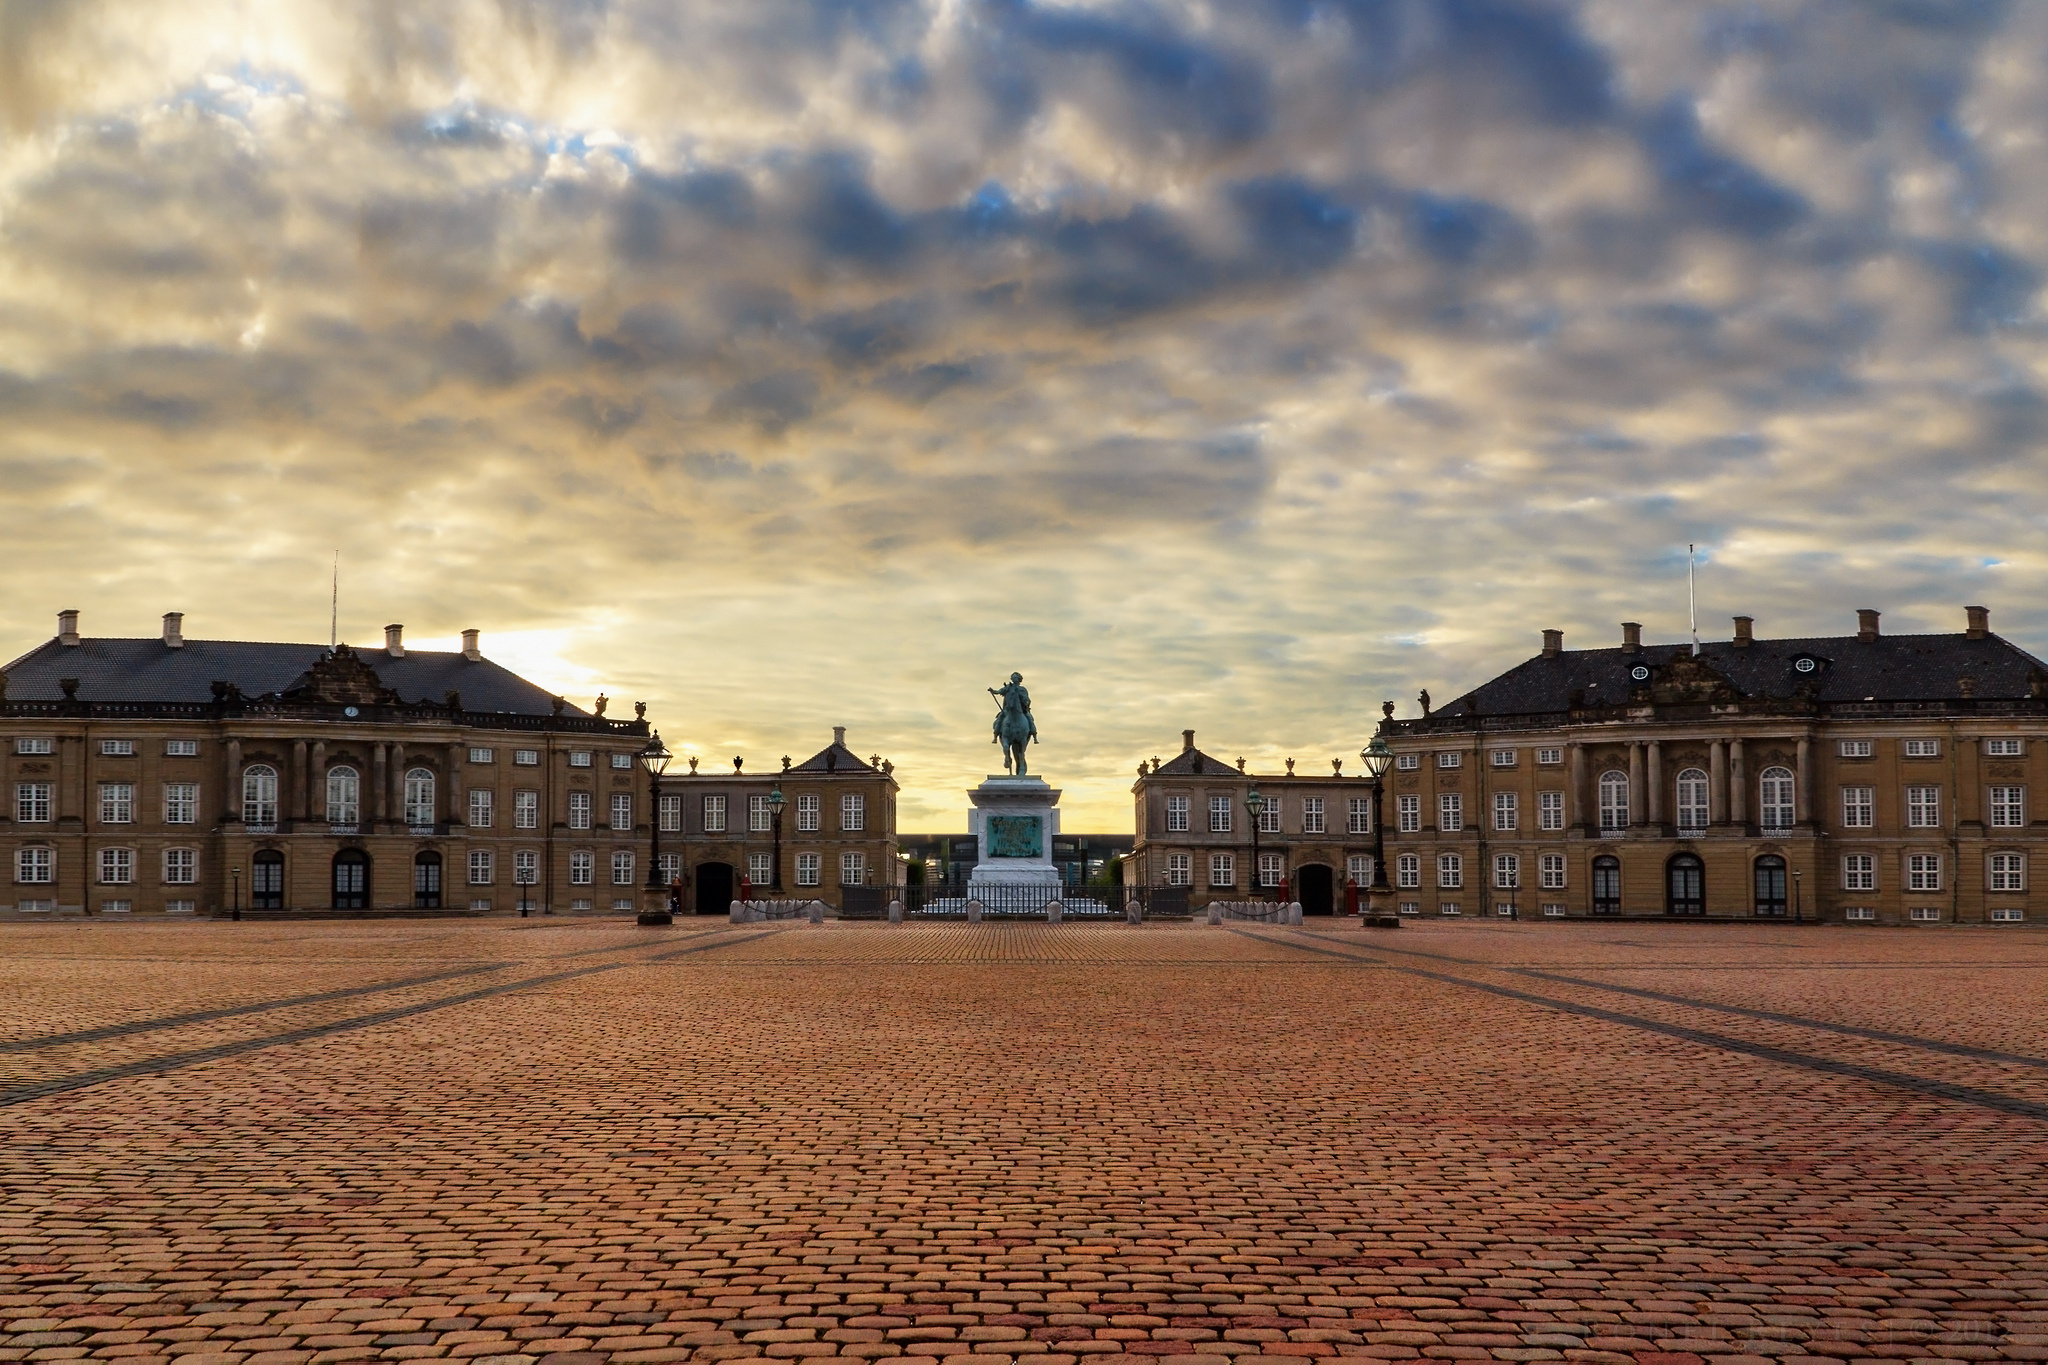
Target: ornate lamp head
(1377,756)
(655,757)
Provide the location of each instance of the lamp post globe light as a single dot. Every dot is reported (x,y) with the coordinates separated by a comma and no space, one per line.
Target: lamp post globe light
(1377,758)
(776,801)
(1256,804)
(654,900)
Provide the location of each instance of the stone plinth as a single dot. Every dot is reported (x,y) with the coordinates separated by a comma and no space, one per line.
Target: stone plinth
(1013,822)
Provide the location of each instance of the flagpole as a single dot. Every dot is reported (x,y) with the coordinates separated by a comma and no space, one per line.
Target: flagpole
(1691,599)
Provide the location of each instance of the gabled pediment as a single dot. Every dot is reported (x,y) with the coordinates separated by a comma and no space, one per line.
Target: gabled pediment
(342,677)
(1688,679)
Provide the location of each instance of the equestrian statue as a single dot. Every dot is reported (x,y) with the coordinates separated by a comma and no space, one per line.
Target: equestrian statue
(1014,727)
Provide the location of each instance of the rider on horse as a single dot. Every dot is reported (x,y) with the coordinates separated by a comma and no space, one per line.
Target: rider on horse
(1014,727)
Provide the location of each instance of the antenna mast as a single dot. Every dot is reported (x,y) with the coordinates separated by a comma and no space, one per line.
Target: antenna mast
(334,604)
(1691,599)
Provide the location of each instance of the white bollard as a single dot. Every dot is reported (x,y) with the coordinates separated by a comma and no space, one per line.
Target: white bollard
(895,912)
(974,912)
(817,912)
(1134,913)
(1053,910)
(736,912)
(1215,912)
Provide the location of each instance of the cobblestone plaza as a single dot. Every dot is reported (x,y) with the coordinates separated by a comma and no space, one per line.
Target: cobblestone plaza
(568,1143)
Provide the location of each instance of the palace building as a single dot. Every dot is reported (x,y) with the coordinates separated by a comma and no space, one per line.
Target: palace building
(177,776)
(1861,778)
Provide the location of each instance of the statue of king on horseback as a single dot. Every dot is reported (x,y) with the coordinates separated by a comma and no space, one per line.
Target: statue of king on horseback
(1014,727)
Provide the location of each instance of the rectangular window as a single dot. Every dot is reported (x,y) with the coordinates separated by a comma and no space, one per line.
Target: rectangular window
(808,812)
(117,866)
(483,756)
(1550,810)
(760,869)
(1449,909)
(853,813)
(1312,821)
(1507,812)
(1924,914)
(482,867)
(1923,872)
(622,811)
(1923,748)
(1180,870)
(117,803)
(1450,870)
(2007,914)
(669,811)
(117,748)
(1503,758)
(1507,872)
(1553,910)
(1222,870)
(1408,871)
(1358,815)
(2002,748)
(526,867)
(2008,872)
(810,869)
(1923,808)
(2009,807)
(1408,814)
(671,867)
(525,810)
(759,815)
(1270,869)
(1407,763)
(1219,815)
(624,761)
(853,869)
(1550,869)
(622,867)
(35,866)
(1854,748)
(116,907)
(1450,760)
(1859,807)
(579,810)
(1858,912)
(1549,757)
(181,748)
(579,758)
(582,868)
(1450,812)
(483,808)
(34,746)
(1358,869)
(1176,816)
(1269,815)
(526,758)
(181,866)
(32,802)
(1859,872)
(181,803)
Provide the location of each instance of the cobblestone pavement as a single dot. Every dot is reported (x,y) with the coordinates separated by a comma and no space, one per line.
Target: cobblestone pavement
(529,1143)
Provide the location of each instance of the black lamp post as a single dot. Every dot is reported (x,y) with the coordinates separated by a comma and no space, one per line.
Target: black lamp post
(1378,758)
(1797,877)
(237,912)
(654,900)
(1256,804)
(776,801)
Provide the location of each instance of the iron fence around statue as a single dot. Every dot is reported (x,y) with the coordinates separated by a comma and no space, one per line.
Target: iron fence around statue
(950,900)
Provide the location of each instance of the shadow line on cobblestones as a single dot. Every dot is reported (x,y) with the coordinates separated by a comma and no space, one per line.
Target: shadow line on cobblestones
(151,1066)
(1901,1080)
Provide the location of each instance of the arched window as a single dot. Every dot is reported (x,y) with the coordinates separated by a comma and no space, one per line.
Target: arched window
(1607,885)
(1770,885)
(266,880)
(1692,801)
(1685,885)
(426,880)
(1774,810)
(1613,801)
(344,796)
(259,794)
(419,797)
(351,879)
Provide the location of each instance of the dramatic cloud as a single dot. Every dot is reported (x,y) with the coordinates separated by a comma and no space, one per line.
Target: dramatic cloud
(1234,366)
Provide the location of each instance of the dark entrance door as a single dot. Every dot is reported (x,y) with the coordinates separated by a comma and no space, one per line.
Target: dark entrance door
(1770,885)
(266,880)
(1315,887)
(426,881)
(351,879)
(1606,885)
(1685,885)
(714,888)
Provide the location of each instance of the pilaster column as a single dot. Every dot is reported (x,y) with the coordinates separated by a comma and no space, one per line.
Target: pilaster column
(296,783)
(1738,784)
(316,782)
(233,804)
(1717,782)
(396,800)
(380,787)
(455,812)
(1575,787)
(1656,780)
(1637,806)
(1802,795)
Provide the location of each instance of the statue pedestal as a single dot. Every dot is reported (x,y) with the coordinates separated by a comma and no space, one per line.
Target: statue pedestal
(1013,822)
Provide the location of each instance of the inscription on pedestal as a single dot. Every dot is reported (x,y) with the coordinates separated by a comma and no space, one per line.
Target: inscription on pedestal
(1016,836)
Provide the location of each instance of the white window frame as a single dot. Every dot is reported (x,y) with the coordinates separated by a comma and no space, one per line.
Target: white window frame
(1776,803)
(117,867)
(2008,807)
(1313,820)
(344,795)
(1550,871)
(760,868)
(579,758)
(34,744)
(1504,758)
(483,808)
(1222,872)
(1269,815)
(181,803)
(181,748)
(117,748)
(810,813)
(32,802)
(1507,871)
(1176,815)
(1220,819)
(1859,872)
(483,867)
(35,865)
(760,815)
(623,872)
(259,795)
(1923,872)
(1507,812)
(1272,867)
(1614,801)
(714,815)
(1550,810)
(526,867)
(1450,871)
(669,813)
(622,762)
(1450,758)
(1450,812)
(1924,914)
(1923,807)
(582,867)
(526,758)
(1854,748)
(1407,763)
(2005,748)
(810,869)
(853,869)
(117,803)
(1180,869)
(1358,815)
(1694,794)
(1358,868)
(1922,748)
(1546,758)
(1859,808)
(581,811)
(2006,872)
(1408,871)
(526,809)
(621,812)
(181,866)
(420,793)
(480,755)
(853,813)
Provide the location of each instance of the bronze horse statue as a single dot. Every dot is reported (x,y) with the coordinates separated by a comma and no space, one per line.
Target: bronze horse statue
(1014,728)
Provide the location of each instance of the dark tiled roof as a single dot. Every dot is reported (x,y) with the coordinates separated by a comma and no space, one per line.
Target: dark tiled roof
(842,758)
(1195,763)
(1846,669)
(149,671)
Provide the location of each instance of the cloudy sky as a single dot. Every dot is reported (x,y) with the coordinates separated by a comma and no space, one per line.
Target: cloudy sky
(1229,364)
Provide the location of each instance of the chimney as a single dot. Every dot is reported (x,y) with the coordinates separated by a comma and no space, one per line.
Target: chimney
(67,627)
(1745,634)
(174,630)
(470,649)
(1632,637)
(839,735)
(1980,622)
(394,641)
(1187,740)
(1866,624)
(1553,643)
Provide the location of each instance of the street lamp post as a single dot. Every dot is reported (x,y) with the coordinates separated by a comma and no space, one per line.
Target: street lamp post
(1377,757)
(1797,878)
(237,912)
(654,899)
(776,801)
(1256,804)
